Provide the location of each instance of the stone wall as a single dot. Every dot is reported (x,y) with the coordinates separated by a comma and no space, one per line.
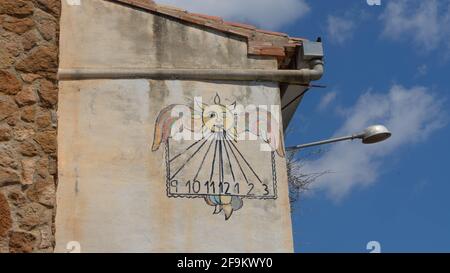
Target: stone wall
(28,97)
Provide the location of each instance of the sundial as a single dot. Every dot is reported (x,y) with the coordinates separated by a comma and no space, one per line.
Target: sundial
(220,165)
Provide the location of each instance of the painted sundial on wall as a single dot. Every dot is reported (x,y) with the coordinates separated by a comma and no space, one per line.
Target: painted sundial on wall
(219,157)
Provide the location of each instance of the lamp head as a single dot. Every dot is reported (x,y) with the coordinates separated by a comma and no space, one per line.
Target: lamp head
(375,134)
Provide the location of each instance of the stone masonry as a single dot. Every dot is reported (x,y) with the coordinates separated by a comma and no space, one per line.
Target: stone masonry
(28,102)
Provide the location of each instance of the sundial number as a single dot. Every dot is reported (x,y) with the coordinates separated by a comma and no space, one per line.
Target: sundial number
(251,187)
(196,187)
(193,187)
(226,186)
(174,184)
(236,188)
(210,187)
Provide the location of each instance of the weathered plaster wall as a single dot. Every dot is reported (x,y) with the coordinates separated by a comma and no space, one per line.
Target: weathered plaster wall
(101,34)
(28,97)
(112,192)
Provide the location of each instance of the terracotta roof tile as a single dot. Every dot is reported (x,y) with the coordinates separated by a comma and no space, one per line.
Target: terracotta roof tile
(169,7)
(149,4)
(240,25)
(272,33)
(208,17)
(260,42)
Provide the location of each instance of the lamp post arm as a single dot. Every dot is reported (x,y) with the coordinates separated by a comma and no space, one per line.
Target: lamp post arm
(322,142)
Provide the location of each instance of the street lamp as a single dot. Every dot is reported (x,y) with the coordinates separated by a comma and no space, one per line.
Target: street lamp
(373,134)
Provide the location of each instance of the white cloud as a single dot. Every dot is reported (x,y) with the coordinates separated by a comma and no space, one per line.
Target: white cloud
(422,70)
(339,29)
(427,23)
(411,114)
(327,99)
(268,14)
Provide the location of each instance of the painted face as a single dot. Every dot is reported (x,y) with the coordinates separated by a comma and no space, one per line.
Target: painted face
(218,118)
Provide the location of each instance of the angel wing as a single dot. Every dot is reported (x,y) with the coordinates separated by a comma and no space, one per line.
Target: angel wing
(163,126)
(264,126)
(170,120)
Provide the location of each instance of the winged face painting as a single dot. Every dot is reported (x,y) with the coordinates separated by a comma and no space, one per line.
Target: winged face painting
(206,152)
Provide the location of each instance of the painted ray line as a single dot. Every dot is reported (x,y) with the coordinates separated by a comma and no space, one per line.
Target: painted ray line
(246,162)
(221,176)
(203,161)
(213,163)
(184,164)
(228,157)
(188,148)
(237,161)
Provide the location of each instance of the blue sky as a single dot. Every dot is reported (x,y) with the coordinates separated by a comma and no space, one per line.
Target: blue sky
(385,64)
(404,205)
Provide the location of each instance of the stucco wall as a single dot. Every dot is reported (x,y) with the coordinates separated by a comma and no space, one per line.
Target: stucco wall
(101,34)
(28,98)
(113,193)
